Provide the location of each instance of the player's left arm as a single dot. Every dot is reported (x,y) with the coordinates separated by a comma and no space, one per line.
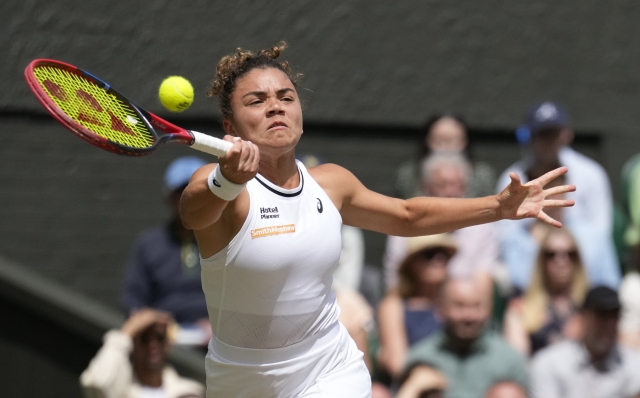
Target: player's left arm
(366,209)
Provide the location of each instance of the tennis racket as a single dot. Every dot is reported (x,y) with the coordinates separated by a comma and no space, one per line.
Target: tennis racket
(95,112)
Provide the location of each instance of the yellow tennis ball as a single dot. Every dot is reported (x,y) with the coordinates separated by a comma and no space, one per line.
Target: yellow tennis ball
(176,93)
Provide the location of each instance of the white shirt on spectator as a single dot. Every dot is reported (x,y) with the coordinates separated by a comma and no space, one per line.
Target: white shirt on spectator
(564,370)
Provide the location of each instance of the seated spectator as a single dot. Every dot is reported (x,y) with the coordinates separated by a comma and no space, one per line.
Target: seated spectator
(506,389)
(630,300)
(593,366)
(163,269)
(132,363)
(444,132)
(471,357)
(446,175)
(630,248)
(590,220)
(547,312)
(421,380)
(408,314)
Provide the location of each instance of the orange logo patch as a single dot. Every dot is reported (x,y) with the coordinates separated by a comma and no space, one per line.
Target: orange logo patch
(276,230)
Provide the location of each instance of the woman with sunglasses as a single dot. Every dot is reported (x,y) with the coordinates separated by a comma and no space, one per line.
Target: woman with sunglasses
(547,311)
(408,314)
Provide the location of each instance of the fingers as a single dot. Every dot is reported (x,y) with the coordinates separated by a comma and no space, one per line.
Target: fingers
(542,216)
(559,190)
(241,162)
(552,175)
(515,178)
(558,203)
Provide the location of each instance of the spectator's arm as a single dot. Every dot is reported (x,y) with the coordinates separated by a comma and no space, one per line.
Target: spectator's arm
(393,336)
(514,329)
(422,378)
(109,374)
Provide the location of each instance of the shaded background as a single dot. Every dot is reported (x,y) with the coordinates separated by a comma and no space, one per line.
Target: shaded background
(374,71)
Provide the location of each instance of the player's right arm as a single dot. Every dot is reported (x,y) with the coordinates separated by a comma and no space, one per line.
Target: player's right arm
(212,218)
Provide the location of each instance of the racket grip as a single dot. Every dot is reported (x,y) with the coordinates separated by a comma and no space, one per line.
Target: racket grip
(212,145)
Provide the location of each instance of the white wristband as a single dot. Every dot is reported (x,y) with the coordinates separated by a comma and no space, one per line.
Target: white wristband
(223,188)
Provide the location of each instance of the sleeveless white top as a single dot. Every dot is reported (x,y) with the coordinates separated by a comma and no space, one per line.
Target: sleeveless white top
(270,287)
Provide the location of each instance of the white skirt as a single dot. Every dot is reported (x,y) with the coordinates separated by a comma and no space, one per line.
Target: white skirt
(325,365)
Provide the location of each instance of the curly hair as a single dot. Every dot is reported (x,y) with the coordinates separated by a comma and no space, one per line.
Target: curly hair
(237,64)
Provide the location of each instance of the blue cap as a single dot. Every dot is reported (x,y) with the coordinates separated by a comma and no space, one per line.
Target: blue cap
(545,115)
(180,171)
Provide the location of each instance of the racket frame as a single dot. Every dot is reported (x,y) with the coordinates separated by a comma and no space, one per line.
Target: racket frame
(173,132)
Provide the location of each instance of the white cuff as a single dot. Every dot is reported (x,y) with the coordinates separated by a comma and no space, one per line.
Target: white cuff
(223,188)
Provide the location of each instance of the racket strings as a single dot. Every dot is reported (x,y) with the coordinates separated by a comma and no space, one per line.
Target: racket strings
(94,108)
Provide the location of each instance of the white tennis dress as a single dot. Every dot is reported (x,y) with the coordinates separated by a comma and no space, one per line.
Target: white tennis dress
(273,314)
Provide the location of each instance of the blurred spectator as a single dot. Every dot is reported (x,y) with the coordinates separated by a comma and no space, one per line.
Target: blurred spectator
(471,357)
(444,132)
(163,269)
(446,175)
(421,380)
(506,389)
(132,363)
(408,314)
(630,300)
(594,366)
(590,220)
(547,312)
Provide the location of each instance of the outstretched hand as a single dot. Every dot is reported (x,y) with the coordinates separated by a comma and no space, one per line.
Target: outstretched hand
(529,200)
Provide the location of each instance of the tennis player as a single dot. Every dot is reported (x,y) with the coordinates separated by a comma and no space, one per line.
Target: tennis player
(269,236)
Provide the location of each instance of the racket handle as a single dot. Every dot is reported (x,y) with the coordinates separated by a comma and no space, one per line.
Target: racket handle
(212,145)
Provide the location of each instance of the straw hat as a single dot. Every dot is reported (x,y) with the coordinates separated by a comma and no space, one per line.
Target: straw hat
(419,244)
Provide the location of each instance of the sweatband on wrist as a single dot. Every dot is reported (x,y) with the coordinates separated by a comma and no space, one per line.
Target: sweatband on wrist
(223,188)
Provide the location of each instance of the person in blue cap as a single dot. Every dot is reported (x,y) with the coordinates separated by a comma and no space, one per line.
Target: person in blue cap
(163,268)
(548,135)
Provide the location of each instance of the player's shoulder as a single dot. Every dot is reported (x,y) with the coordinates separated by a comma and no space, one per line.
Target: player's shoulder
(329,174)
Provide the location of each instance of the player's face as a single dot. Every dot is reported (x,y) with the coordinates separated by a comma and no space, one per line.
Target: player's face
(266,110)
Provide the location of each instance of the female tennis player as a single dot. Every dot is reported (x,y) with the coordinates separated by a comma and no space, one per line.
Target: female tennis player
(269,234)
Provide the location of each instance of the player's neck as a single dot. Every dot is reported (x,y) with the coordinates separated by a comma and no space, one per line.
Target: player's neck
(280,170)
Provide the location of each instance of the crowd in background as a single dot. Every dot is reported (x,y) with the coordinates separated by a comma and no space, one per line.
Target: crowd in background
(506,310)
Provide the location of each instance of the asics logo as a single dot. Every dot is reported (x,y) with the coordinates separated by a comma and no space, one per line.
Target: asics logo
(216,183)
(319,206)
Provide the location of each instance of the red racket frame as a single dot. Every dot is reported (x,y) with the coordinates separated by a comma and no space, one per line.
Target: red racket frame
(152,122)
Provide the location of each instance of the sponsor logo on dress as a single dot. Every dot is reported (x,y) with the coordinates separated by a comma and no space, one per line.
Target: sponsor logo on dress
(275,230)
(319,206)
(269,212)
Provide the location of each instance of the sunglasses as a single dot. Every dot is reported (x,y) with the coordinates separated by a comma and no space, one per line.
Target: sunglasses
(550,254)
(430,254)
